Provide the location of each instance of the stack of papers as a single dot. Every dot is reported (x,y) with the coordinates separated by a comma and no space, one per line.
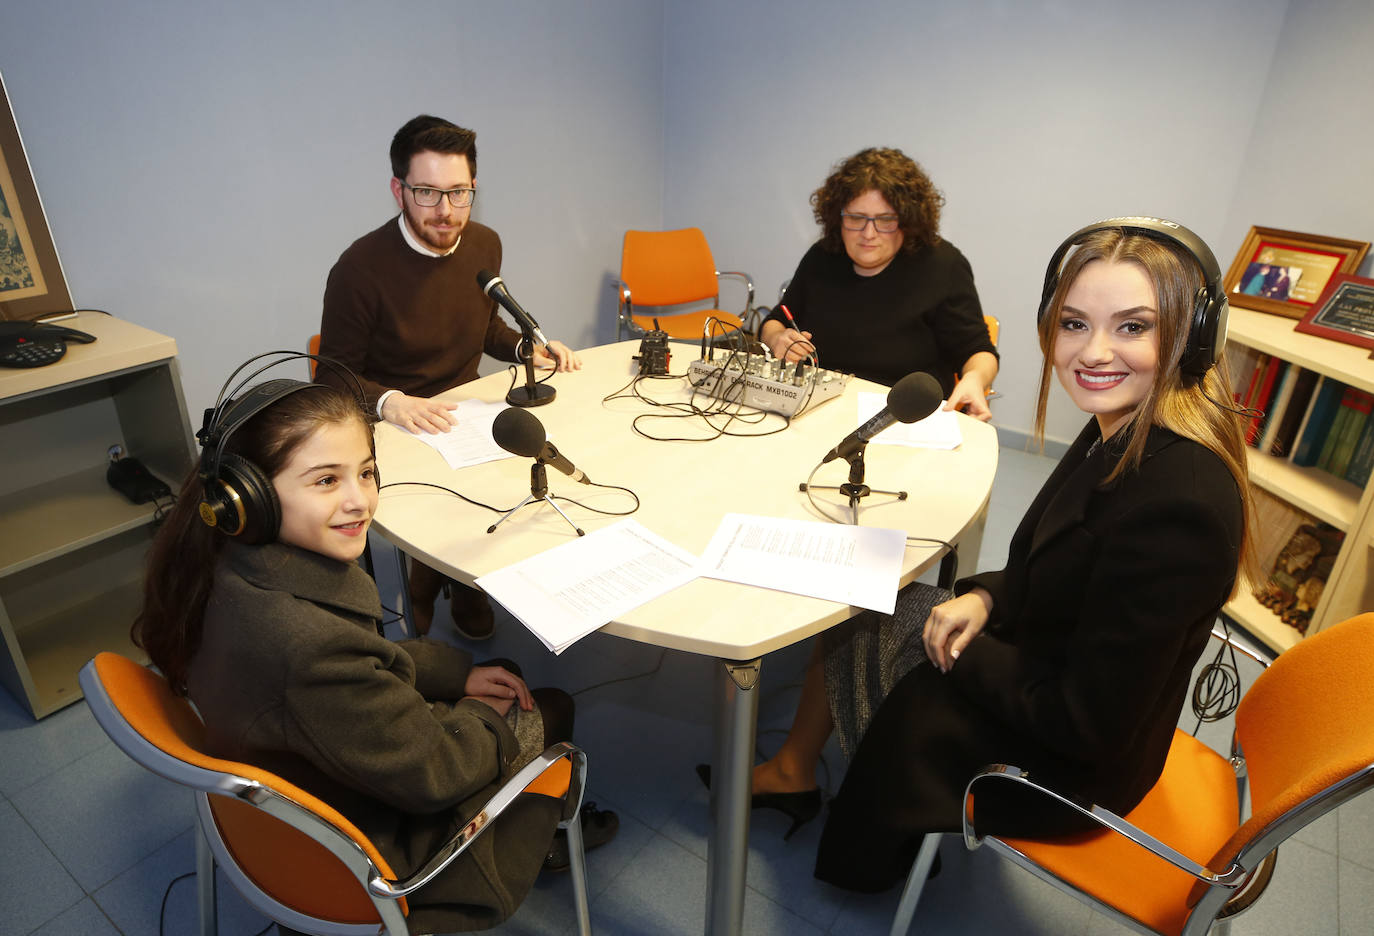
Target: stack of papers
(565,593)
(469,442)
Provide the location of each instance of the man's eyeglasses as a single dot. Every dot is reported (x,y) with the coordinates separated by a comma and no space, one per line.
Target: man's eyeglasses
(883,224)
(430,197)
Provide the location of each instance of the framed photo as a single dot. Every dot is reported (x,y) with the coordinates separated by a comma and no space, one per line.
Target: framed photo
(1345,311)
(31,280)
(1285,273)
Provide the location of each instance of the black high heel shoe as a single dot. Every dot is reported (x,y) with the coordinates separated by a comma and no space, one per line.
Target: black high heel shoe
(800,807)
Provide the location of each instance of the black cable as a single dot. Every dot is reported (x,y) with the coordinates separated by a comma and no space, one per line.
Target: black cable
(606,513)
(446,490)
(620,679)
(1216,693)
(162,912)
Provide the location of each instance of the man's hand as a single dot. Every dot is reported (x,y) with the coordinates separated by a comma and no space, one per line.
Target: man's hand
(417,414)
(557,354)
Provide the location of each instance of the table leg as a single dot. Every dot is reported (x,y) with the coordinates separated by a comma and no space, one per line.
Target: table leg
(727,852)
(403,573)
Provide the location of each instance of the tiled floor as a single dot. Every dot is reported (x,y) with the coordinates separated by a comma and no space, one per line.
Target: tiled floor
(91,840)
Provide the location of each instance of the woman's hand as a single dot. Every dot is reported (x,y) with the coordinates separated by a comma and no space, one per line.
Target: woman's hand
(494,684)
(952,624)
(970,395)
(786,344)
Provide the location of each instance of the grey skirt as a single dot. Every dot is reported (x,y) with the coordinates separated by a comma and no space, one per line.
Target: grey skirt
(869,654)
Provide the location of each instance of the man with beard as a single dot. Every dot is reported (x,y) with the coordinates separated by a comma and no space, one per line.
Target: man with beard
(403,310)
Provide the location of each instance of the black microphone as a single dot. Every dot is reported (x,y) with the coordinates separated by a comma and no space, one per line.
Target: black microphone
(520,432)
(495,287)
(913,397)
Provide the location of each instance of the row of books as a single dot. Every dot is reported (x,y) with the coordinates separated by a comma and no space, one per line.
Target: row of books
(1309,418)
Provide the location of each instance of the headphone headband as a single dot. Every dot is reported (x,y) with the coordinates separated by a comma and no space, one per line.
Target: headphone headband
(237,498)
(1207,324)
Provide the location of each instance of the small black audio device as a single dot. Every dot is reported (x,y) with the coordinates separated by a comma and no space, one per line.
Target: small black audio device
(653,356)
(33,344)
(131,477)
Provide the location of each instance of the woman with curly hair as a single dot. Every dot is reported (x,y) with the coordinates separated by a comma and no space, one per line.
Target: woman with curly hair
(881,294)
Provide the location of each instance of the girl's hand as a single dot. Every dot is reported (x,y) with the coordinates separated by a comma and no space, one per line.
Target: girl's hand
(490,683)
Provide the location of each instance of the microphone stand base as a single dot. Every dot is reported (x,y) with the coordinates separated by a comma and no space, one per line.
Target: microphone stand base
(854,492)
(539,491)
(531,395)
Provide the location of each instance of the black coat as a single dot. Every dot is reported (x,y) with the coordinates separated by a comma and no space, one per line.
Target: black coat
(1098,619)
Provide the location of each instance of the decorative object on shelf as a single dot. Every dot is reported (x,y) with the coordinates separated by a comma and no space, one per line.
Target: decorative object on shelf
(1299,575)
(1345,311)
(31,280)
(1284,272)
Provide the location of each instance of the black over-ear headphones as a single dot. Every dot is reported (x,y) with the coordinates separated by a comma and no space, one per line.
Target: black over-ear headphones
(237,497)
(1207,328)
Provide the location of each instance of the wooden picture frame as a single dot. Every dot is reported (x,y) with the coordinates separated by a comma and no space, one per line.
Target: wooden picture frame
(32,284)
(1345,312)
(1285,272)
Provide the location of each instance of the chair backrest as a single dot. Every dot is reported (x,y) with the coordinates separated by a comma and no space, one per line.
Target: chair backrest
(664,268)
(994,327)
(158,729)
(1306,729)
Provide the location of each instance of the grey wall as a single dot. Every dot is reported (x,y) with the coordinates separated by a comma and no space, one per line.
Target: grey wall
(1035,118)
(1309,159)
(203,164)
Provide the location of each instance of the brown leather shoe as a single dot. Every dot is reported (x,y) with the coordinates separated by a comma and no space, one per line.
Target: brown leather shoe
(424,588)
(473,616)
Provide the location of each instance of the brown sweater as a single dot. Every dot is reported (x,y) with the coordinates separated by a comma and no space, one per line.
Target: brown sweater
(404,321)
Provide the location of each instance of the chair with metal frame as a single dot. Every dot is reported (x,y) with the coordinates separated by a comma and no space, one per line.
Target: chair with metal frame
(664,269)
(293,857)
(1186,860)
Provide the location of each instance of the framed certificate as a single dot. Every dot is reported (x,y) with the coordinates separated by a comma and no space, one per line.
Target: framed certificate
(1345,312)
(31,280)
(1284,272)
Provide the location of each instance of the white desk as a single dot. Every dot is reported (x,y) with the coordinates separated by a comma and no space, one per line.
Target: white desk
(685,488)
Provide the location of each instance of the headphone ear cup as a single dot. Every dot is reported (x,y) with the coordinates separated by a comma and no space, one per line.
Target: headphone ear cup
(1201,350)
(241,502)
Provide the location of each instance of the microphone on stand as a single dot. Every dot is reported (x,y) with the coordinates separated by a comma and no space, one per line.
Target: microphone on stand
(533,393)
(521,433)
(912,398)
(495,288)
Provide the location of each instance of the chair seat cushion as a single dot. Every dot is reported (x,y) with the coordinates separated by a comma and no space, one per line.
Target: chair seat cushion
(1193,808)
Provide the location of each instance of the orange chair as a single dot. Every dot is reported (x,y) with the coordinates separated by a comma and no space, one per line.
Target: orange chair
(673,268)
(293,857)
(313,347)
(994,330)
(1186,859)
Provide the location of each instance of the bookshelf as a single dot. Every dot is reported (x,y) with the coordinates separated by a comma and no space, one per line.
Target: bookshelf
(71,548)
(1350,587)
